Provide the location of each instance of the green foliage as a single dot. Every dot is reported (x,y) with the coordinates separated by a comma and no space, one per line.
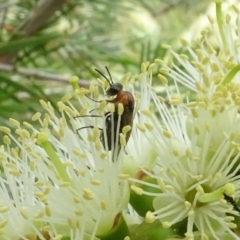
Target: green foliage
(74,37)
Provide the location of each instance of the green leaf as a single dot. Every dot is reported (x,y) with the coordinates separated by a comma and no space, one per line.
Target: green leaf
(151,231)
(20,44)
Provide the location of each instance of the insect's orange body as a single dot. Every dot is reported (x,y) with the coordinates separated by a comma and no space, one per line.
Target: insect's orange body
(123,97)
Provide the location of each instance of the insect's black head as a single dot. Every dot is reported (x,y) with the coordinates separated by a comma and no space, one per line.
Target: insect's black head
(114,89)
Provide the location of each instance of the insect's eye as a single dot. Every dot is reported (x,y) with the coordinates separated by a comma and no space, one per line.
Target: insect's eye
(114,89)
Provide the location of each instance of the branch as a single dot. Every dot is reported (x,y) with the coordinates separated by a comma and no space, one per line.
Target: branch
(40,74)
(40,15)
(35,21)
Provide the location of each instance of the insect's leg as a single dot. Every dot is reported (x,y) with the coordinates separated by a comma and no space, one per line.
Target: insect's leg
(99,101)
(93,110)
(88,116)
(88,127)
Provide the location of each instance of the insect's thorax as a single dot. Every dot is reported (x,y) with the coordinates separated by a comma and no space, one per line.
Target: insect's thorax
(126,98)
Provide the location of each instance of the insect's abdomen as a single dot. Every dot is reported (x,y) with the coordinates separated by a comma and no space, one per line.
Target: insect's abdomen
(111,126)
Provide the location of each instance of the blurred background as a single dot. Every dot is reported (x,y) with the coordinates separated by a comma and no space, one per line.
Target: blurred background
(44,42)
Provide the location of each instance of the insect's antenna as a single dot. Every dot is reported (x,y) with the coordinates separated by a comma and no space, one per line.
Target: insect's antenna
(104,77)
(109,75)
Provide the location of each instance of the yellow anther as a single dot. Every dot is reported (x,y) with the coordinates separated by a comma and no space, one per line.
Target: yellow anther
(122,139)
(5,130)
(126,129)
(36,116)
(137,190)
(24,213)
(149,218)
(120,109)
(14,122)
(95,182)
(87,194)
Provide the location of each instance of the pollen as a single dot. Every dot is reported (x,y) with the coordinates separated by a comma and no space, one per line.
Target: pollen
(149,218)
(48,211)
(5,130)
(123,176)
(71,112)
(3,223)
(66,98)
(191,213)
(36,116)
(15,173)
(164,70)
(192,104)
(95,182)
(39,194)
(28,125)
(24,213)
(79,154)
(122,139)
(4,209)
(149,126)
(14,122)
(200,189)
(71,223)
(187,204)
(39,215)
(103,205)
(141,127)
(126,129)
(232,225)
(78,213)
(184,57)
(88,195)
(163,79)
(43,104)
(166,224)
(102,106)
(169,187)
(120,108)
(6,140)
(77,200)
(146,112)
(158,61)
(137,190)
(184,42)
(229,218)
(166,46)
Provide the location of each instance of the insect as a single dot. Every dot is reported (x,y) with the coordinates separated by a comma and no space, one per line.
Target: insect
(231,201)
(110,139)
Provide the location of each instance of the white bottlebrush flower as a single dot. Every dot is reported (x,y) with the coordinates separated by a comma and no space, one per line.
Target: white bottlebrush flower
(192,179)
(79,184)
(19,207)
(211,72)
(140,151)
(197,141)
